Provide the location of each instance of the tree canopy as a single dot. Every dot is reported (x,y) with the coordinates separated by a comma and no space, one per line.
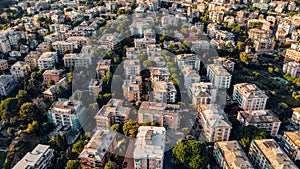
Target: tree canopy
(130,128)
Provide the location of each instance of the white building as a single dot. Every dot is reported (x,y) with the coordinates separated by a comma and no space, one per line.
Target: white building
(62,46)
(293,68)
(47,60)
(188,59)
(132,68)
(296,116)
(149,147)
(77,60)
(202,93)
(7,84)
(20,69)
(219,76)
(249,96)
(39,158)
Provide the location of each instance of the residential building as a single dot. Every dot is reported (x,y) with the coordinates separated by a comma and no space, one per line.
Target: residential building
(159,74)
(4,45)
(32,59)
(142,43)
(53,74)
(47,60)
(264,46)
(166,115)
(69,113)
(149,147)
(219,76)
(3,64)
(95,86)
(132,68)
(132,88)
(202,93)
(190,75)
(77,60)
(249,96)
(263,119)
(164,92)
(7,84)
(39,157)
(259,34)
(98,150)
(292,54)
(290,142)
(267,153)
(296,116)
(52,92)
(20,70)
(216,126)
(226,63)
(188,59)
(230,155)
(112,113)
(103,66)
(62,46)
(293,68)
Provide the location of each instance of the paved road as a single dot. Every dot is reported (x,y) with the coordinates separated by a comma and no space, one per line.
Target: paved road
(129,154)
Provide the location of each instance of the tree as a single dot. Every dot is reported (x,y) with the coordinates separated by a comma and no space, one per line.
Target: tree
(130,128)
(103,99)
(115,128)
(73,164)
(28,110)
(107,77)
(32,127)
(8,109)
(111,165)
(22,97)
(244,57)
(51,82)
(149,63)
(78,146)
(240,45)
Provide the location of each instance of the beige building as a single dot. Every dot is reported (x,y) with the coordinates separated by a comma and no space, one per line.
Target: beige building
(98,150)
(164,92)
(267,153)
(7,84)
(218,76)
(3,64)
(77,60)
(293,68)
(290,142)
(112,113)
(32,59)
(296,116)
(249,96)
(132,68)
(230,155)
(190,75)
(47,60)
(292,54)
(20,70)
(149,147)
(160,74)
(166,115)
(103,66)
(132,88)
(202,93)
(62,46)
(264,119)
(259,34)
(216,125)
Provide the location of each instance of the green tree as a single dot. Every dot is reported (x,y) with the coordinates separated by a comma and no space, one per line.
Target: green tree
(130,128)
(115,128)
(28,110)
(107,77)
(111,165)
(78,146)
(73,164)
(149,63)
(32,127)
(22,97)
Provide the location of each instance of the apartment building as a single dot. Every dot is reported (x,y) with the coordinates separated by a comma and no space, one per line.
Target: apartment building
(296,116)
(226,63)
(290,142)
(218,76)
(38,158)
(32,59)
(264,119)
(77,60)
(188,59)
(20,70)
(293,68)
(216,125)
(132,68)
(95,87)
(133,52)
(69,113)
(3,64)
(166,115)
(230,155)
(164,92)
(53,74)
(62,46)
(249,96)
(47,60)
(51,92)
(153,50)
(149,147)
(132,88)
(103,66)
(292,54)
(160,74)
(264,46)
(142,43)
(4,45)
(98,150)
(112,113)
(202,93)
(267,153)
(190,75)
(7,84)
(259,34)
